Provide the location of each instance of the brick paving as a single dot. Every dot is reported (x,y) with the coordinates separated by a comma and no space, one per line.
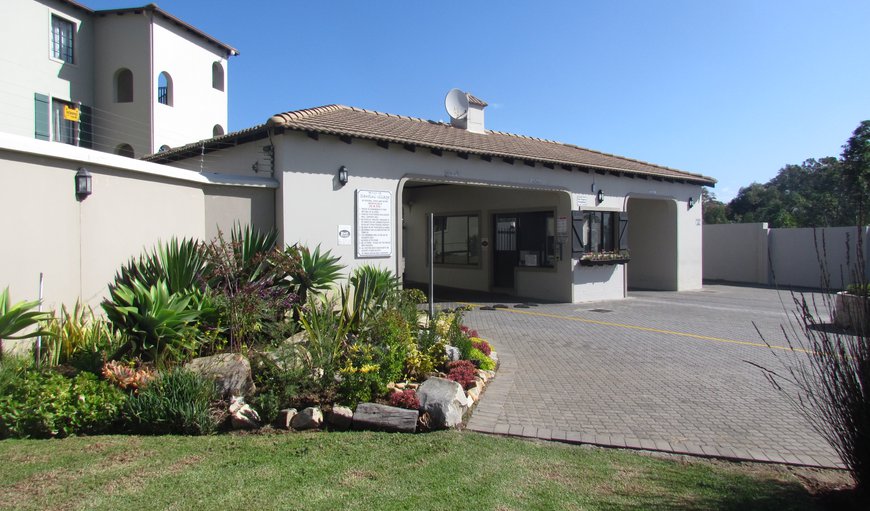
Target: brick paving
(657,371)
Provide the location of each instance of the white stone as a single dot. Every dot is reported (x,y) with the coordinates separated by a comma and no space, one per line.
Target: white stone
(444,400)
(309,418)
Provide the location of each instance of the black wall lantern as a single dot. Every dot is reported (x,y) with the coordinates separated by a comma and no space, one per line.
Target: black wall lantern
(691,202)
(84,183)
(342,175)
(600,196)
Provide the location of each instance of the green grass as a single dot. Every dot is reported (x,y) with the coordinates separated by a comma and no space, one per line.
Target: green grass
(370,471)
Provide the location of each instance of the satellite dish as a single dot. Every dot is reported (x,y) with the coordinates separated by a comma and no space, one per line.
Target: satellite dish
(456,104)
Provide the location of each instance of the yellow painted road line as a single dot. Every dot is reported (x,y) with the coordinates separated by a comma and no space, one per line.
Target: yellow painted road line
(645,329)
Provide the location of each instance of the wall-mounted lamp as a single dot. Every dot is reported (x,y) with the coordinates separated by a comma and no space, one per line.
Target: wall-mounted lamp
(84,183)
(342,175)
(600,196)
(691,202)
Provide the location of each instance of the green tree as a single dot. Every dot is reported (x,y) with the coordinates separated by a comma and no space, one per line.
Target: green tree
(715,211)
(856,171)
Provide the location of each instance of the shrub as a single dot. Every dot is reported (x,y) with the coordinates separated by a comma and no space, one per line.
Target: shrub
(462,372)
(405,399)
(279,378)
(482,345)
(318,271)
(368,289)
(468,331)
(858,289)
(426,356)
(14,318)
(481,360)
(390,338)
(47,404)
(176,401)
(80,338)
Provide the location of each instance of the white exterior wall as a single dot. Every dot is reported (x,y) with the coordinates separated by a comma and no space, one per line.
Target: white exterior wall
(736,253)
(310,204)
(122,42)
(196,105)
(79,245)
(27,66)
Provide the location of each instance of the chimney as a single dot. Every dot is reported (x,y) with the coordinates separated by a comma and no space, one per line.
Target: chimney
(466,111)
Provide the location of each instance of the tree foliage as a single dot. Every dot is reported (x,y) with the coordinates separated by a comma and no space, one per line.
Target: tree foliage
(823,192)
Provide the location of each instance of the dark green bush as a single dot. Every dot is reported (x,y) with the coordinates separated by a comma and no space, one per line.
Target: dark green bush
(177,401)
(47,404)
(858,289)
(481,360)
(279,376)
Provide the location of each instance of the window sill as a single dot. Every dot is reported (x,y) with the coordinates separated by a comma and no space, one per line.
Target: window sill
(603,262)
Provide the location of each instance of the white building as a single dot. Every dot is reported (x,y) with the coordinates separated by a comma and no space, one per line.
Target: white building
(513,214)
(138,79)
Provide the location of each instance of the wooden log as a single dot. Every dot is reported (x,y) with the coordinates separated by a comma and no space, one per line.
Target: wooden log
(384,418)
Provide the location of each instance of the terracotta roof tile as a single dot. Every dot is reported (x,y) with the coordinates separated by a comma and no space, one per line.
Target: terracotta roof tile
(366,124)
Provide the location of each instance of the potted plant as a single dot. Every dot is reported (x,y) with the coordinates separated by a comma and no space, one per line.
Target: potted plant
(852,308)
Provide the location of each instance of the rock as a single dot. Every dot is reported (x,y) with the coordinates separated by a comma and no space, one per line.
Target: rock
(340,418)
(444,400)
(309,418)
(494,356)
(297,338)
(285,417)
(400,386)
(413,386)
(231,373)
(482,376)
(242,416)
(473,394)
(452,353)
(385,418)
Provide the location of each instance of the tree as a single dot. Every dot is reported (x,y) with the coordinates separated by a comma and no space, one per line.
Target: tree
(714,210)
(856,171)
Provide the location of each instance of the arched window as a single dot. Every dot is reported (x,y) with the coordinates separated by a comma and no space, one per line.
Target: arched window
(124,86)
(217,76)
(124,150)
(217,131)
(164,89)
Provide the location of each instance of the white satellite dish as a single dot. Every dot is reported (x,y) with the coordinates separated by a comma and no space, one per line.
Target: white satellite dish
(456,104)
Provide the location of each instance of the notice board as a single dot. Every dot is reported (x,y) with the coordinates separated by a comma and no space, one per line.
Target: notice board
(374,223)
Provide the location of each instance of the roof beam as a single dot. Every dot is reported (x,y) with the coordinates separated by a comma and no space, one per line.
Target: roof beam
(384,144)
(548,165)
(530,163)
(464,156)
(345,138)
(485,157)
(566,167)
(313,135)
(509,161)
(436,151)
(410,147)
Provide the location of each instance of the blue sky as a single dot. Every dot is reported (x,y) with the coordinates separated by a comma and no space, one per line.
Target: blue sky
(730,89)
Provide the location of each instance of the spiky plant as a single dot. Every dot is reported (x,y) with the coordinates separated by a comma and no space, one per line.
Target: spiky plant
(15,318)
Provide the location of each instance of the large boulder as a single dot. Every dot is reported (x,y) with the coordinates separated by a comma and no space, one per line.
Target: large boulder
(231,373)
(444,400)
(309,418)
(340,418)
(242,416)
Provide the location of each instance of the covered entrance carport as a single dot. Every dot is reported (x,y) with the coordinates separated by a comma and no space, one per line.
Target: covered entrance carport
(652,239)
(488,237)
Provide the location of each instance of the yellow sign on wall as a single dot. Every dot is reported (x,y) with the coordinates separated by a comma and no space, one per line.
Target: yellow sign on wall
(71,114)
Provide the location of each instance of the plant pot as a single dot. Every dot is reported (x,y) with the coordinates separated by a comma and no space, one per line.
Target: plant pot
(852,312)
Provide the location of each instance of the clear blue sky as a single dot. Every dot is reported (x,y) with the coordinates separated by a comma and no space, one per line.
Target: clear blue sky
(730,89)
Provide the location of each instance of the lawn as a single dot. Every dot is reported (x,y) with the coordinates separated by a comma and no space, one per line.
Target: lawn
(373,471)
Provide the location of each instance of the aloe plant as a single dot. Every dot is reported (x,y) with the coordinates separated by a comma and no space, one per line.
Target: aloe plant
(180,263)
(319,270)
(15,318)
(159,324)
(368,289)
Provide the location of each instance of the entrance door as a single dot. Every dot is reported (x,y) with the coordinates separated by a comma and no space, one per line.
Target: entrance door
(505,253)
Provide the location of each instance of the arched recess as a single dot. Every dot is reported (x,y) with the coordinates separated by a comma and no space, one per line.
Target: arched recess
(124,150)
(123,86)
(217,76)
(652,242)
(217,131)
(164,89)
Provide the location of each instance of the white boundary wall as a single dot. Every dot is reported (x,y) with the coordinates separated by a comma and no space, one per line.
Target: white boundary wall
(755,254)
(79,245)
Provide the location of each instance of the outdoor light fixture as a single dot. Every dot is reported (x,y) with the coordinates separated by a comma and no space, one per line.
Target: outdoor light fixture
(691,202)
(84,185)
(342,175)
(600,196)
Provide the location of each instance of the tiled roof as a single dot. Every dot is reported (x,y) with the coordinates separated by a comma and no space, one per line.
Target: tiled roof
(352,122)
(474,100)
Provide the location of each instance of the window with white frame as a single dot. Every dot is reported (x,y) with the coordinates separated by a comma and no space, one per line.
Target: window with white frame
(62,39)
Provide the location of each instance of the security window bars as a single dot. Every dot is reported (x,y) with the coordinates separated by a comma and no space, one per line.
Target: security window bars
(457,238)
(62,38)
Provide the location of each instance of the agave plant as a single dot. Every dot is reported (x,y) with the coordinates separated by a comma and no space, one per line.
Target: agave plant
(159,325)
(318,271)
(368,289)
(14,318)
(179,263)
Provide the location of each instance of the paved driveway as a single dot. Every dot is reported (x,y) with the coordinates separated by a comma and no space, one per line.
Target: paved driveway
(659,370)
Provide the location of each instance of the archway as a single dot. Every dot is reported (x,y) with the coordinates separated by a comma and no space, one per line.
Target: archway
(652,241)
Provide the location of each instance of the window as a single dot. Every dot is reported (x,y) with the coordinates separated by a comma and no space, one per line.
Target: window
(65,122)
(536,239)
(457,238)
(124,86)
(62,37)
(124,150)
(164,89)
(217,131)
(217,76)
(599,232)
